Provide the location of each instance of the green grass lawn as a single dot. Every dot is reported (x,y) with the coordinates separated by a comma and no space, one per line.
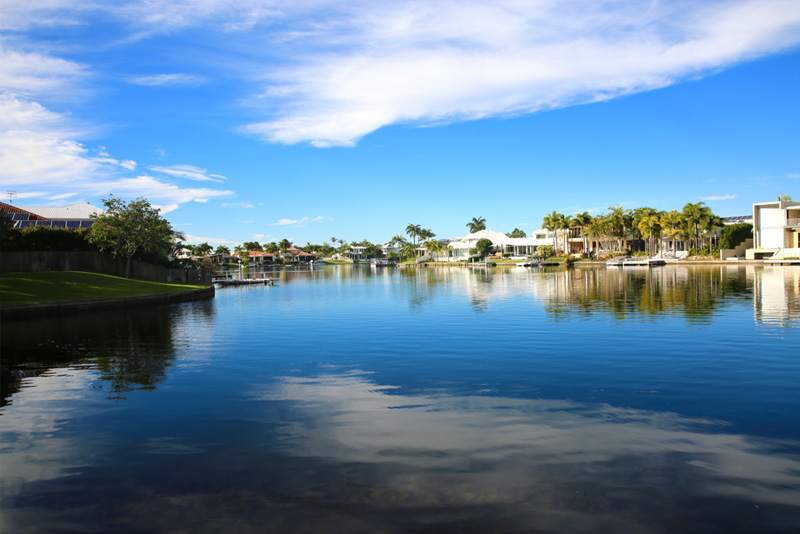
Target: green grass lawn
(44,287)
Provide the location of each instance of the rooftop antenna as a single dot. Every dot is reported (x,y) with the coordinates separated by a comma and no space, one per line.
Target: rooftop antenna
(11,196)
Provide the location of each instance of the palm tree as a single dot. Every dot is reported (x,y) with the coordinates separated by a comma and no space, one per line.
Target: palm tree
(551,223)
(413,231)
(476,224)
(649,226)
(432,246)
(672,224)
(408,250)
(426,234)
(581,220)
(694,214)
(563,225)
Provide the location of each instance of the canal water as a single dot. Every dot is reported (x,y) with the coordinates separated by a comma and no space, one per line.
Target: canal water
(355,399)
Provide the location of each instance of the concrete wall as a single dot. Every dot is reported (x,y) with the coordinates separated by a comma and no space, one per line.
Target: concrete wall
(96,262)
(773,222)
(737,252)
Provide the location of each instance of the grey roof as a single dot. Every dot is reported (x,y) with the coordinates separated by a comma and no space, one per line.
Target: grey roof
(77,211)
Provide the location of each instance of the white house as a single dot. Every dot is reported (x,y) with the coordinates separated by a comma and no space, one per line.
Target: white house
(776,230)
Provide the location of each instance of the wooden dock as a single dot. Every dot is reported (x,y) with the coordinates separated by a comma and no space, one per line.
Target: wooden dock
(231,282)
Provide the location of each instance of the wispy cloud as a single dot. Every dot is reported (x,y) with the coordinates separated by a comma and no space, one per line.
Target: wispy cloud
(189,238)
(433,63)
(169,80)
(238,205)
(333,71)
(721,197)
(38,151)
(284,222)
(189,172)
(793,175)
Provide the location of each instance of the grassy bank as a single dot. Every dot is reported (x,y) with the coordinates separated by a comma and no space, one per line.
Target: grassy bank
(47,287)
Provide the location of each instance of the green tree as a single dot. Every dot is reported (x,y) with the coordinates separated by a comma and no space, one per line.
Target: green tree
(223,250)
(551,222)
(203,249)
(252,246)
(408,250)
(544,251)
(483,247)
(128,229)
(413,231)
(433,247)
(476,224)
(284,245)
(517,233)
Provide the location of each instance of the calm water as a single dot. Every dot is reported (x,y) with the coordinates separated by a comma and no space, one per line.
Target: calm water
(355,400)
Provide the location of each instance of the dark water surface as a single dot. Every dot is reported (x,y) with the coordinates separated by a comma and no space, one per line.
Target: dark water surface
(421,400)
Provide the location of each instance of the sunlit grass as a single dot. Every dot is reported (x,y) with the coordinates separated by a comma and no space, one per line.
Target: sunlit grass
(44,287)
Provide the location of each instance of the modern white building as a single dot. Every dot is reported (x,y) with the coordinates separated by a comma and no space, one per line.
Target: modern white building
(776,230)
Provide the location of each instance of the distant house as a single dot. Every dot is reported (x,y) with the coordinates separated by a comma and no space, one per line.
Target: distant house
(295,255)
(501,244)
(72,217)
(776,230)
(260,258)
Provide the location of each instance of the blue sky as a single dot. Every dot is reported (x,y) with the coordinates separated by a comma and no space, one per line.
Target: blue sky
(311,119)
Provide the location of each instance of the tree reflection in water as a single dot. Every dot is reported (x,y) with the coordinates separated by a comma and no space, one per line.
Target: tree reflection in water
(130,348)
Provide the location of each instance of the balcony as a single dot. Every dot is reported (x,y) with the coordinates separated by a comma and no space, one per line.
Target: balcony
(793,223)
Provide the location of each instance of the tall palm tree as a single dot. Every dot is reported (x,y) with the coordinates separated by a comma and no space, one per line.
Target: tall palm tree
(550,222)
(476,224)
(580,220)
(672,225)
(413,231)
(649,226)
(694,214)
(563,225)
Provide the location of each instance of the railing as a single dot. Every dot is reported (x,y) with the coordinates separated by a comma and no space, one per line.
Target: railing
(792,223)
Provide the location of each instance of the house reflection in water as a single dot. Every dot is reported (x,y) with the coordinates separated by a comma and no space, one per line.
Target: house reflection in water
(776,294)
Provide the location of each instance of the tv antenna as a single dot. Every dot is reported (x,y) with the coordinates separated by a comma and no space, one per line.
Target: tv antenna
(11,196)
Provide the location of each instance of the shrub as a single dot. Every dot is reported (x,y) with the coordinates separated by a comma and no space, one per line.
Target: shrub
(733,235)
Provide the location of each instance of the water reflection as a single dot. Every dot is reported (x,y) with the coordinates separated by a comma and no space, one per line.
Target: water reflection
(541,458)
(131,349)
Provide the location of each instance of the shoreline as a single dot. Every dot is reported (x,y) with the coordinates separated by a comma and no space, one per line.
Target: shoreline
(25,311)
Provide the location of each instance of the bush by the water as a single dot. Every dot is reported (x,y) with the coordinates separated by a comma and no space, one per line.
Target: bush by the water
(705,250)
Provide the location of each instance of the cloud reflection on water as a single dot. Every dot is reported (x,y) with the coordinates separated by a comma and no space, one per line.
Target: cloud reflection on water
(526,444)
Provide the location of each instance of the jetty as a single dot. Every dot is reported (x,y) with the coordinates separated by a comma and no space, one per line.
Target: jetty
(230,282)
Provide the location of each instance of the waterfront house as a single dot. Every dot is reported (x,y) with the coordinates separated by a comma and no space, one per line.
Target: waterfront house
(295,255)
(258,258)
(776,230)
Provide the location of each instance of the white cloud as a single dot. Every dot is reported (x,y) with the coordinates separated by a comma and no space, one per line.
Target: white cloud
(793,175)
(37,151)
(432,63)
(335,71)
(190,172)
(237,205)
(169,80)
(189,238)
(720,197)
(284,222)
(32,73)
